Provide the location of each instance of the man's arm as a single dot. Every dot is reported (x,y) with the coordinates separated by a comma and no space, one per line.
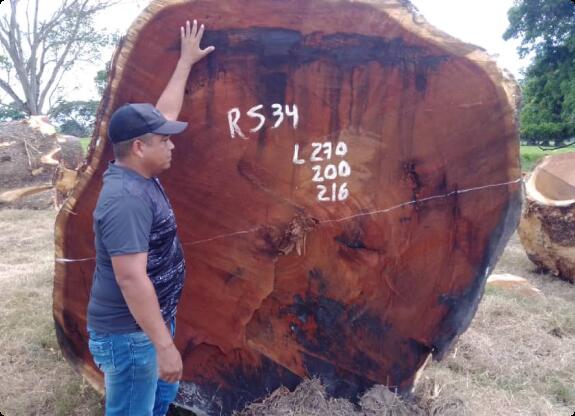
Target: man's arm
(139,293)
(171,100)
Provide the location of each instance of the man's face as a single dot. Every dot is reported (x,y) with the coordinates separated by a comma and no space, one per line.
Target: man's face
(158,153)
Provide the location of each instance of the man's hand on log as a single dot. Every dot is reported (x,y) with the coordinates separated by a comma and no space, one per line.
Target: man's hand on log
(191,38)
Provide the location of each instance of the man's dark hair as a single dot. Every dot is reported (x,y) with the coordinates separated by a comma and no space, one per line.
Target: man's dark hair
(123,149)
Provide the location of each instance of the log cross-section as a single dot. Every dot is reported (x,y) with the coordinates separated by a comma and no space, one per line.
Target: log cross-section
(348,179)
(547,226)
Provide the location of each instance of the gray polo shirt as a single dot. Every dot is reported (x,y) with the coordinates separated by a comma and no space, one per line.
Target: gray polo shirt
(133,215)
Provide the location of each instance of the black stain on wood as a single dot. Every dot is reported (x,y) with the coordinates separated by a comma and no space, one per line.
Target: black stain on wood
(189,348)
(364,324)
(441,188)
(319,324)
(353,237)
(317,281)
(243,384)
(351,241)
(364,362)
(461,308)
(324,314)
(410,172)
(67,345)
(278,52)
(234,275)
(276,47)
(421,81)
(212,70)
(334,86)
(274,88)
(72,329)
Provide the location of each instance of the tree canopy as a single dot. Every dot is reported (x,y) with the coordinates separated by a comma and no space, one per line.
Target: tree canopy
(38,47)
(75,117)
(547,29)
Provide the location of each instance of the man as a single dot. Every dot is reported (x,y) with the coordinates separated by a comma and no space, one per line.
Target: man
(139,261)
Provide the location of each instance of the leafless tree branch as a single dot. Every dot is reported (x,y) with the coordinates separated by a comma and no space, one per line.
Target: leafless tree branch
(51,46)
(54,90)
(6,87)
(58,67)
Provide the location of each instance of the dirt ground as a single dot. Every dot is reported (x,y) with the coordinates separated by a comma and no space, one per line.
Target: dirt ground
(517,358)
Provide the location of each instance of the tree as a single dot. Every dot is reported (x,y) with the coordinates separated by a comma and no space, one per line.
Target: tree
(546,29)
(101,80)
(75,117)
(36,52)
(541,24)
(10,112)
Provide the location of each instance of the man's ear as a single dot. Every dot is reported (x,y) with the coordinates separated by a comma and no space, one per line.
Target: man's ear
(138,148)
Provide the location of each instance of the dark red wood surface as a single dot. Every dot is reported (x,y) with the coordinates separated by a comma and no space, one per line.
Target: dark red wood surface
(281,285)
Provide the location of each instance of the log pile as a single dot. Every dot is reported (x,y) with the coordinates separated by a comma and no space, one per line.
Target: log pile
(547,227)
(32,158)
(349,177)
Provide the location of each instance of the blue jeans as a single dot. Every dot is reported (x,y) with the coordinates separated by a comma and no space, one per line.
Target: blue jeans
(130,369)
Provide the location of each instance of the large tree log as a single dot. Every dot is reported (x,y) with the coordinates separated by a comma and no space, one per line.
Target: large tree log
(29,155)
(32,159)
(547,227)
(350,235)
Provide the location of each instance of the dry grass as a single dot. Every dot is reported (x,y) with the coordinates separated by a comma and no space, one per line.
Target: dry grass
(36,379)
(310,399)
(518,357)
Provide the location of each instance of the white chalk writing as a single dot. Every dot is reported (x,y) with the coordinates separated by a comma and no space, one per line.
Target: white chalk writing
(280,112)
(325,176)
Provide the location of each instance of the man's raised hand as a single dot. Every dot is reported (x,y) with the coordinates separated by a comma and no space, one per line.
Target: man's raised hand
(191,38)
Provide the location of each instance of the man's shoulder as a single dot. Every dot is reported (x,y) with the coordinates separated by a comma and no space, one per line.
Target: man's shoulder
(119,183)
(121,191)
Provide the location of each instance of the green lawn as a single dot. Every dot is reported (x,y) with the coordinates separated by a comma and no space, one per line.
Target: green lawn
(85,141)
(530,155)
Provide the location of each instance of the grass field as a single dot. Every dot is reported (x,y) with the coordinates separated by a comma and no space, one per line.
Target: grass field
(517,358)
(530,155)
(85,142)
(36,378)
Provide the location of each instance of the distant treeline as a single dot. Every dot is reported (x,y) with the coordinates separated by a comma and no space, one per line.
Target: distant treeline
(547,30)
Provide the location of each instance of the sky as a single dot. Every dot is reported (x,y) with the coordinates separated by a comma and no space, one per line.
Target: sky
(478,22)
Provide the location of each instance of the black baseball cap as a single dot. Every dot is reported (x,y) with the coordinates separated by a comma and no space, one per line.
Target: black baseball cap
(134,120)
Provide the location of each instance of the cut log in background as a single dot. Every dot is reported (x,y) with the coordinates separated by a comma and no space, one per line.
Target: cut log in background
(33,157)
(547,227)
(359,282)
